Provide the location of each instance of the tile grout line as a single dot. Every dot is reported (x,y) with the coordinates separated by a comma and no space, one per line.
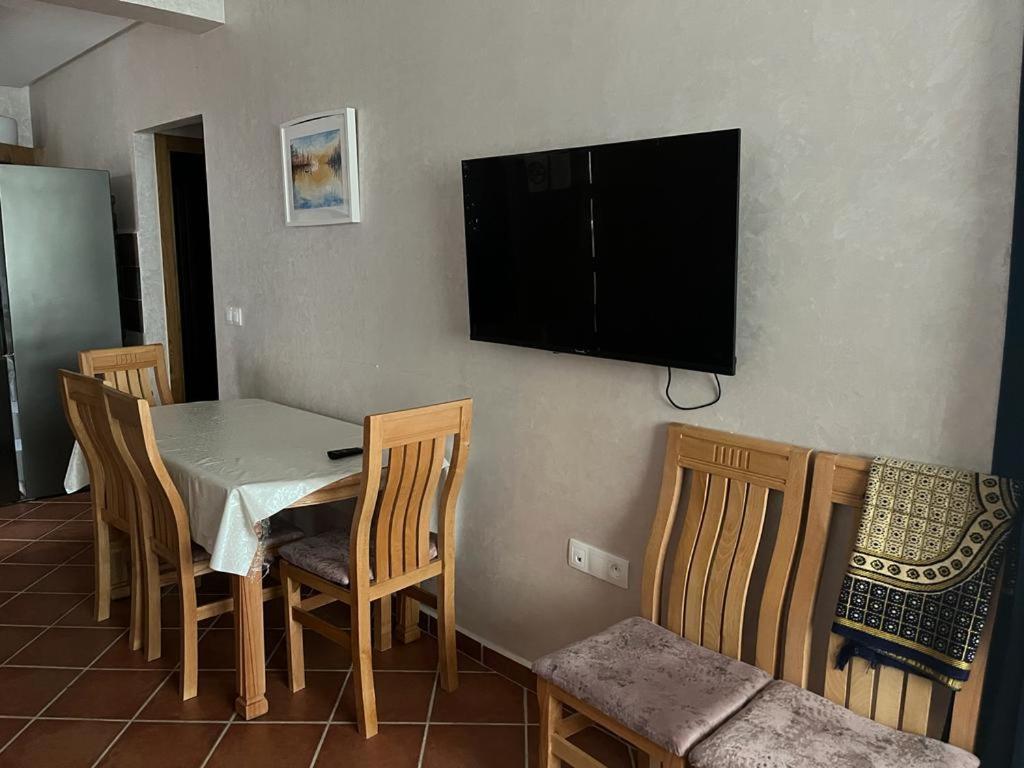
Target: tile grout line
(64,689)
(145,704)
(426,725)
(330,719)
(52,569)
(220,738)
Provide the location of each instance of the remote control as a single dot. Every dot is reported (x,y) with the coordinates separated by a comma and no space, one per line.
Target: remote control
(343,453)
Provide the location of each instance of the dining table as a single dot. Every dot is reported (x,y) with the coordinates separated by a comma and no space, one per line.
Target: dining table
(237,463)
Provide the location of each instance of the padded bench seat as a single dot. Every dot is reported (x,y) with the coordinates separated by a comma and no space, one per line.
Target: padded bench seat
(788,727)
(653,681)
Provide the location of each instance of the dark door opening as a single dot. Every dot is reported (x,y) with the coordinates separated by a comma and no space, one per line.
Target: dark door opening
(188,271)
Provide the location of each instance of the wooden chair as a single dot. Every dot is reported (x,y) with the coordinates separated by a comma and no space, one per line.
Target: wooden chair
(727,481)
(898,699)
(134,370)
(389,549)
(164,532)
(113,503)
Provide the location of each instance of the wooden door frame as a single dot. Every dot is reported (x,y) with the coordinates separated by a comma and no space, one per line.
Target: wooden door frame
(164,145)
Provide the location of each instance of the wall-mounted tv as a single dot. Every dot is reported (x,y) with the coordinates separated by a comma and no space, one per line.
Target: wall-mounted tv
(625,251)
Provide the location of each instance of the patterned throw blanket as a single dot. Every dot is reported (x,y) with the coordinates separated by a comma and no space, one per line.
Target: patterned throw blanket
(924,568)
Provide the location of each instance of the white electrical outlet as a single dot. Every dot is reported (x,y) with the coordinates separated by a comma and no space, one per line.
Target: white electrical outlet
(598,563)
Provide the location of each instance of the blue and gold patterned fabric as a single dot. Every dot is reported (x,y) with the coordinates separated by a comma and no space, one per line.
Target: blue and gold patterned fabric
(924,567)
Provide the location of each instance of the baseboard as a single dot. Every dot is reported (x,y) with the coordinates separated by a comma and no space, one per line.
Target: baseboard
(495,658)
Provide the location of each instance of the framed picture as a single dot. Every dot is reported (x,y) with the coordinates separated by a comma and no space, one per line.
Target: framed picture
(321,169)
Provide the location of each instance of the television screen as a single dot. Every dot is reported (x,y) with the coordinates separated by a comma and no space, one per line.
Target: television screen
(624,251)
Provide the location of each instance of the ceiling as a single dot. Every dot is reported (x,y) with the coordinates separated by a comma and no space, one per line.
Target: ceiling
(37,37)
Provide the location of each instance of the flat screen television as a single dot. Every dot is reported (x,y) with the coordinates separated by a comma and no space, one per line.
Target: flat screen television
(624,251)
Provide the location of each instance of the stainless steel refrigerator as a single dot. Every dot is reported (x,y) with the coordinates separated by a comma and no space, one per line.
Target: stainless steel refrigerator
(59,292)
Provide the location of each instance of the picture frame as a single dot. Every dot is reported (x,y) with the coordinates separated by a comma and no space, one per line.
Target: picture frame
(320,168)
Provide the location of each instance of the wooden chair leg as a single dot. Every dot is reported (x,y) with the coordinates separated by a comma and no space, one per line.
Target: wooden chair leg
(189,684)
(362,669)
(137,596)
(101,555)
(446,629)
(293,632)
(382,624)
(408,620)
(550,716)
(152,604)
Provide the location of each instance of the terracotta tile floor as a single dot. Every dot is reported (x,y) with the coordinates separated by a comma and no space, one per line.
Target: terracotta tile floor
(73,694)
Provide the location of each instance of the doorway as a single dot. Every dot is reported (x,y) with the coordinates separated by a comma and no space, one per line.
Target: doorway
(187,265)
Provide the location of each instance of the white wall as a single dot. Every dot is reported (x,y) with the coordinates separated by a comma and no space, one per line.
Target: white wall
(14,102)
(877,189)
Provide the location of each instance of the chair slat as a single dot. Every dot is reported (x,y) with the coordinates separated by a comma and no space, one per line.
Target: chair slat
(837,681)
(411,529)
(128,369)
(695,505)
(721,565)
(917,704)
(862,687)
(742,570)
(707,539)
(889,696)
(429,494)
(396,541)
(382,544)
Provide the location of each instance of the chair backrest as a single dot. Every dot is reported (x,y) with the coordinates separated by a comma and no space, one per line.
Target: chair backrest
(723,528)
(397,518)
(890,696)
(162,517)
(113,499)
(133,370)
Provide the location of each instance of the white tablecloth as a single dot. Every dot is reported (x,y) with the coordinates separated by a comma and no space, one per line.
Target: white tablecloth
(236,462)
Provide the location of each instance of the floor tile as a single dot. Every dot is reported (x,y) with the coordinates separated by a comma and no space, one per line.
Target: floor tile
(78,579)
(121,656)
(55,512)
(17,577)
(480,698)
(82,497)
(9,726)
(84,614)
(29,608)
(76,530)
(266,745)
(472,746)
(320,653)
(214,701)
(13,638)
(46,552)
(65,647)
(163,745)
(421,655)
(8,548)
(26,691)
(85,557)
(14,511)
(314,702)
(602,745)
(59,744)
(217,647)
(394,746)
(401,697)
(107,694)
(532,708)
(29,529)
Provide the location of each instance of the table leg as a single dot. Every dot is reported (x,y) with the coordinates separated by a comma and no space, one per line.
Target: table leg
(250,660)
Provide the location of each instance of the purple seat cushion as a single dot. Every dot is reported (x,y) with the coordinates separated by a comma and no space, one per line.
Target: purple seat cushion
(653,681)
(788,727)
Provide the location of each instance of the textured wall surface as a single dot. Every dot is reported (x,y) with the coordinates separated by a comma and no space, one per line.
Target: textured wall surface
(14,102)
(876,200)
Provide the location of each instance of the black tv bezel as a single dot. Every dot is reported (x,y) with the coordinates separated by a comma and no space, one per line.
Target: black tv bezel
(674,362)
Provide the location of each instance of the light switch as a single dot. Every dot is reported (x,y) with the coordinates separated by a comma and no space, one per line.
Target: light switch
(233,315)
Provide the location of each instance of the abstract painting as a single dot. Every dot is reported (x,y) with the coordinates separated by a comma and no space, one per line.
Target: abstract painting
(320,169)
